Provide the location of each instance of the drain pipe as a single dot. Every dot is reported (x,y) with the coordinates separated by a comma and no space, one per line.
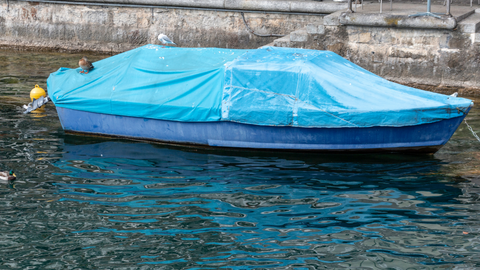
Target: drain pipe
(316,8)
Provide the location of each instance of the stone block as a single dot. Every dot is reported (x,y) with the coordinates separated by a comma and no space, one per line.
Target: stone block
(332,19)
(282,42)
(311,28)
(364,37)
(315,29)
(299,36)
(321,30)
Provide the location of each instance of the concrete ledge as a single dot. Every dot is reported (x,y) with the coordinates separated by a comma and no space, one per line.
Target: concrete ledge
(471,24)
(256,5)
(465,15)
(475,37)
(316,7)
(401,21)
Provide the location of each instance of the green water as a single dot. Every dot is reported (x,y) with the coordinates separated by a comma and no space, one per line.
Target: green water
(91,203)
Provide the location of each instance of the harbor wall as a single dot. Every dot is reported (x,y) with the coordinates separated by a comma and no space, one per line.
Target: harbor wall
(41,25)
(433,59)
(438,60)
(443,61)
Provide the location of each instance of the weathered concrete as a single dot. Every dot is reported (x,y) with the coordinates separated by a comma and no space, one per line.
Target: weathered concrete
(116,29)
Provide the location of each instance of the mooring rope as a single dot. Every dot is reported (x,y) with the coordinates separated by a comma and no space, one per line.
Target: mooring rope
(471,130)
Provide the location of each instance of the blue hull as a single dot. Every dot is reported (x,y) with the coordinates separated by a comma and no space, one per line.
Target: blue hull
(420,138)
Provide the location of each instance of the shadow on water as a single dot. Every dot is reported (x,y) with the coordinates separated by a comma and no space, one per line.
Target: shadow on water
(88,202)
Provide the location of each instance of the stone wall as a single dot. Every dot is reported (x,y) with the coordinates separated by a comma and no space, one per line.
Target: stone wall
(48,26)
(433,59)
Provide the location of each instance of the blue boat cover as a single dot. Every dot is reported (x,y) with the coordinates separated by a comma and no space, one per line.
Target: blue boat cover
(266,86)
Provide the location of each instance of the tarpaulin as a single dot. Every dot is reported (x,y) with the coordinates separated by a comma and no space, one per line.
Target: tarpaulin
(181,84)
(267,86)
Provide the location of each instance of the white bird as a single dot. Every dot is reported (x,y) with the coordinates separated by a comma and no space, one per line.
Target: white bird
(165,40)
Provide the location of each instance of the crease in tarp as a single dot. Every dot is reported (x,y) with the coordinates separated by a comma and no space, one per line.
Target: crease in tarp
(268,86)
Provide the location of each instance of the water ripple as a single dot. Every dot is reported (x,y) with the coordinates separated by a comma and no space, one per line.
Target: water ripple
(83,202)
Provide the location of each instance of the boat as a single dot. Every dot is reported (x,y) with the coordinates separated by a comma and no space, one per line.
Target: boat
(268,98)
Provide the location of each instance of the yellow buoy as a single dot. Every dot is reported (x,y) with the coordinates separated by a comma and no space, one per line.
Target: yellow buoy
(37,92)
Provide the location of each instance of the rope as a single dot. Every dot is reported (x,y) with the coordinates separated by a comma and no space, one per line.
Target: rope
(251,31)
(474,134)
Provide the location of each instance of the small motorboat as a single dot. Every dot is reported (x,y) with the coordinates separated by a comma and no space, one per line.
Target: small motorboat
(267,98)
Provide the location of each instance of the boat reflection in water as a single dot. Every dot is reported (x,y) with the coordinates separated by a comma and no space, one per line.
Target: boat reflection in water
(192,208)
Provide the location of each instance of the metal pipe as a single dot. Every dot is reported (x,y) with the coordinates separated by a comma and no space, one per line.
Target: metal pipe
(170,7)
(448,8)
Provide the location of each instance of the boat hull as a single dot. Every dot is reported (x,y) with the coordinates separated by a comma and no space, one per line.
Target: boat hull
(420,138)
